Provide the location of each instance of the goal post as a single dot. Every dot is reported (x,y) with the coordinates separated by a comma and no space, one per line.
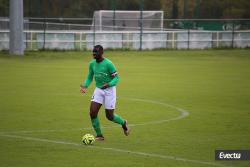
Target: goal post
(121,20)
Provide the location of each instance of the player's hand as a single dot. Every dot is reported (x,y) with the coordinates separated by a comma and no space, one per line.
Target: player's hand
(105,86)
(83,89)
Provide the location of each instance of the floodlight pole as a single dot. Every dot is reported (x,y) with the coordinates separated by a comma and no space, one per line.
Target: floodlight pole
(16,46)
(141,22)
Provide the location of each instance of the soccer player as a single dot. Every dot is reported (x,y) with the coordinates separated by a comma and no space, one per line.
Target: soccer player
(106,78)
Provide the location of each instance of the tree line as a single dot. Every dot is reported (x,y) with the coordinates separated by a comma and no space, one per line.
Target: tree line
(172,8)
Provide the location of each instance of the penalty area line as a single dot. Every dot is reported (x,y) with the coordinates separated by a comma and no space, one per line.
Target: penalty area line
(115,150)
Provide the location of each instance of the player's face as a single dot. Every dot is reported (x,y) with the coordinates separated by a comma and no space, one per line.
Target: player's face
(94,55)
(97,54)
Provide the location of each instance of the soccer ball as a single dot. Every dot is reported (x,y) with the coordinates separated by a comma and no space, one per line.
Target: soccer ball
(88,139)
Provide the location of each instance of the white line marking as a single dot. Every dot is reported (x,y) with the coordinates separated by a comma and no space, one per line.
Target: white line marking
(115,150)
(56,130)
(184,113)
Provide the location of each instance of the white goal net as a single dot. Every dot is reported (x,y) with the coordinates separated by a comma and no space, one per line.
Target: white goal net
(118,20)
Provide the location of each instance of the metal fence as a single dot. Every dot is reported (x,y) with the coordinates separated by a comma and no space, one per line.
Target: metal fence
(82,34)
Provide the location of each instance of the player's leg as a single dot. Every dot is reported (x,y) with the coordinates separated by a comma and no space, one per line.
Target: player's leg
(110,115)
(96,103)
(117,119)
(94,109)
(110,102)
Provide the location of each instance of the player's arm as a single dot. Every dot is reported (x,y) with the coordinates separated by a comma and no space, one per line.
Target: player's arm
(114,75)
(88,80)
(115,79)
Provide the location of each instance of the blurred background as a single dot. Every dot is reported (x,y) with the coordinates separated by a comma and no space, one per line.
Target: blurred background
(173,9)
(132,24)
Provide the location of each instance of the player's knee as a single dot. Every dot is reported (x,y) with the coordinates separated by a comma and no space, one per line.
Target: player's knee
(109,117)
(92,114)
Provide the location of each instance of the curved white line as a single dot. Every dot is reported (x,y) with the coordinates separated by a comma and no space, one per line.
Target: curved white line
(115,150)
(184,113)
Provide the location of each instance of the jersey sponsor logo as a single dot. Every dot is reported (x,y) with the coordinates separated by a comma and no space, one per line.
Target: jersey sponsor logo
(103,73)
(100,74)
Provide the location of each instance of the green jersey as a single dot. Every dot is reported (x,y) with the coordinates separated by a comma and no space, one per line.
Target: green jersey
(104,72)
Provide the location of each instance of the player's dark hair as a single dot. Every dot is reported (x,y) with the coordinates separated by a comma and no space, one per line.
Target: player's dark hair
(98,48)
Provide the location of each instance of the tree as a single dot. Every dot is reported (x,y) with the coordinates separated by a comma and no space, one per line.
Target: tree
(4,8)
(171,8)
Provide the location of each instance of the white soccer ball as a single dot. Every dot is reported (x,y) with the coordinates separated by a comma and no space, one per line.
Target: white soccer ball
(88,139)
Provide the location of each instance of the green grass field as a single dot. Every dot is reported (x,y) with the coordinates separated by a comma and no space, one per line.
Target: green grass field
(43,116)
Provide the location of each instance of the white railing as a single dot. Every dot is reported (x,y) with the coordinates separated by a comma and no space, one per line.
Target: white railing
(81,40)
